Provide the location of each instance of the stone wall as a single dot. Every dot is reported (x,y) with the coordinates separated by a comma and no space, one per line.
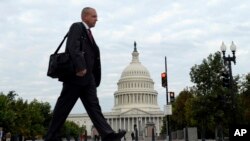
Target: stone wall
(187,134)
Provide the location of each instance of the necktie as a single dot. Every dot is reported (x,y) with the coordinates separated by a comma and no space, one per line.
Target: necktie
(90,35)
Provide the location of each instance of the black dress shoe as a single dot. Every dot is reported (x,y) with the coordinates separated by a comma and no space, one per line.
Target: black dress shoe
(115,136)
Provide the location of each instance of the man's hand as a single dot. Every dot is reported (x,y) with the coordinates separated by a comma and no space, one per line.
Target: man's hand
(81,73)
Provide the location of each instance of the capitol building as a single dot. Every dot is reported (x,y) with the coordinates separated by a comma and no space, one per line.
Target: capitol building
(135,102)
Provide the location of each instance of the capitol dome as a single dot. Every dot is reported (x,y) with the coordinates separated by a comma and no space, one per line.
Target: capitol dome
(135,88)
(135,68)
(135,103)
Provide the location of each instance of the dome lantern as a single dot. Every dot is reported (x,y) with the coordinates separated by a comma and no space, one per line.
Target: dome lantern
(135,55)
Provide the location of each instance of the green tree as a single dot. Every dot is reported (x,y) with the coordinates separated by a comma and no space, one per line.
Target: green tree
(163,128)
(209,104)
(7,115)
(206,76)
(22,118)
(20,108)
(245,99)
(45,111)
(36,119)
(179,119)
(71,129)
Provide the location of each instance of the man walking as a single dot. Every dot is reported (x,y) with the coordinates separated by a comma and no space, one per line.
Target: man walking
(86,59)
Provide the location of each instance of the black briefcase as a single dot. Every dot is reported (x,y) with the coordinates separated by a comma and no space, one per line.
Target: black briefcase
(60,64)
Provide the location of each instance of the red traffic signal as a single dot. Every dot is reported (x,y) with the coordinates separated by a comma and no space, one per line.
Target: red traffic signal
(163,75)
(164,79)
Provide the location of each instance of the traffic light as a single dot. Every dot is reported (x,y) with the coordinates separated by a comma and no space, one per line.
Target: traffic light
(171,96)
(225,79)
(164,79)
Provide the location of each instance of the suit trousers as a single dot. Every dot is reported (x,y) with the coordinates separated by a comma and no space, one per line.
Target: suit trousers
(69,95)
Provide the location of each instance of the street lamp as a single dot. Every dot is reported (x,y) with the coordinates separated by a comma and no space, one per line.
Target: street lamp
(233,49)
(227,61)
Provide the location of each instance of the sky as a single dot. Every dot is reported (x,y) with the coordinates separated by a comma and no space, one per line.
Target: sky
(185,31)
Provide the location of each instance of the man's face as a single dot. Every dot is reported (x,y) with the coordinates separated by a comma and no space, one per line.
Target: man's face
(91,18)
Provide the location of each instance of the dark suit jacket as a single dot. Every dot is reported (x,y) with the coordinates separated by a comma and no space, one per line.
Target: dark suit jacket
(88,58)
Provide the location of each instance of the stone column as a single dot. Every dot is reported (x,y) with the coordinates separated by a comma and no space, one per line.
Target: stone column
(116,124)
(133,100)
(147,98)
(130,98)
(137,122)
(112,123)
(115,100)
(150,99)
(143,99)
(137,99)
(134,95)
(122,98)
(127,98)
(119,99)
(128,123)
(132,121)
(124,123)
(120,125)
(158,125)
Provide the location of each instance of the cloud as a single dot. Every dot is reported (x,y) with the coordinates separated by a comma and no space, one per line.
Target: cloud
(184,31)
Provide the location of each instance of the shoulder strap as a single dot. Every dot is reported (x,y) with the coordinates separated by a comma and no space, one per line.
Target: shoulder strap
(61,43)
(82,29)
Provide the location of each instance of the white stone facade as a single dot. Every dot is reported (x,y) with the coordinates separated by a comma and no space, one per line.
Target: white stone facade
(135,101)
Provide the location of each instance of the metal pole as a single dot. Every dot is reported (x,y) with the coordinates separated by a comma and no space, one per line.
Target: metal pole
(231,87)
(232,91)
(167,121)
(166,79)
